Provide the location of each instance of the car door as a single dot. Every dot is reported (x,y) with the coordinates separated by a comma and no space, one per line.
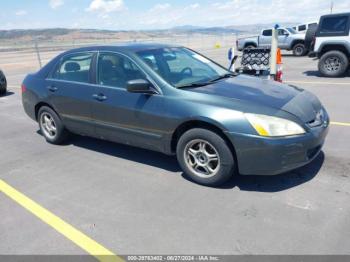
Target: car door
(121,116)
(265,38)
(282,38)
(70,92)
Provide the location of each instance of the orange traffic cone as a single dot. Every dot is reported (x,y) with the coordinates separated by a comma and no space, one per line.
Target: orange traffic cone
(279,73)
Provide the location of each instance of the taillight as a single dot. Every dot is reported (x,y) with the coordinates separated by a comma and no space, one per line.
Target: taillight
(23,88)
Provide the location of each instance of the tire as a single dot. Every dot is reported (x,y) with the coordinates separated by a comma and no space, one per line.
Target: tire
(309,37)
(333,64)
(51,126)
(299,50)
(195,160)
(3,84)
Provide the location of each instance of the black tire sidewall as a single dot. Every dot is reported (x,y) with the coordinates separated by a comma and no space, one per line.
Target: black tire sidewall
(61,131)
(3,88)
(227,162)
(343,68)
(299,45)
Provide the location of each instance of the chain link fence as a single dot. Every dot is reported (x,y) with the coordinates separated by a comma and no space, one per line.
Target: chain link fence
(20,58)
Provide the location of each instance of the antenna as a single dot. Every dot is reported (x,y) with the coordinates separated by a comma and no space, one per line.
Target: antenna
(332,5)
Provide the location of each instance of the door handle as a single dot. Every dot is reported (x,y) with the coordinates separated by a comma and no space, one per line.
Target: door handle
(52,88)
(99,97)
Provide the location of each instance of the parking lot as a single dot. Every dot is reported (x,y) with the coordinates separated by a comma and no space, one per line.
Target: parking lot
(134,201)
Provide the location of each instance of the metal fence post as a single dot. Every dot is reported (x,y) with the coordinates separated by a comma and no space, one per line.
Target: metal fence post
(37,52)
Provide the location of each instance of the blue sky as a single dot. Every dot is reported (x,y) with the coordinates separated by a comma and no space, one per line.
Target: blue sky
(153,14)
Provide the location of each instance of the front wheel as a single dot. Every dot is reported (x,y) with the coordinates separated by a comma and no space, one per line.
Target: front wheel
(51,126)
(299,50)
(3,84)
(205,157)
(333,64)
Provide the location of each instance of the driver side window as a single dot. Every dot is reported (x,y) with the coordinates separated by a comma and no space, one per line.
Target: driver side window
(116,70)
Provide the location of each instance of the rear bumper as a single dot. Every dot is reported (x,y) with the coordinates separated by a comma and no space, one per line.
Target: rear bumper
(272,156)
(28,102)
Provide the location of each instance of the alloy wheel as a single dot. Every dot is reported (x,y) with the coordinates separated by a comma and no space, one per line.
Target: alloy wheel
(202,158)
(332,64)
(48,125)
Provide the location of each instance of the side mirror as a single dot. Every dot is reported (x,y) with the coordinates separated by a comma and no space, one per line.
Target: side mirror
(140,86)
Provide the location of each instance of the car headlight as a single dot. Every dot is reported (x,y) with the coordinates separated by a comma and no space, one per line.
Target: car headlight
(274,126)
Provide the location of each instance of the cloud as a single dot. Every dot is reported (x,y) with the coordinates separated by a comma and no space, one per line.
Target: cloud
(106,6)
(160,7)
(54,4)
(192,6)
(21,12)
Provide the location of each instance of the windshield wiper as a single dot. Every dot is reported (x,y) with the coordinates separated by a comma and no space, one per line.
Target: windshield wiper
(223,77)
(209,82)
(194,85)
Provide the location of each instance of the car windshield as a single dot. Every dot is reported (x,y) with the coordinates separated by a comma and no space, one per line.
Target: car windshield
(182,67)
(292,31)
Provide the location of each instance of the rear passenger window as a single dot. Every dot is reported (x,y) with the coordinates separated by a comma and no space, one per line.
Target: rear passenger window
(312,24)
(75,68)
(301,27)
(267,32)
(336,25)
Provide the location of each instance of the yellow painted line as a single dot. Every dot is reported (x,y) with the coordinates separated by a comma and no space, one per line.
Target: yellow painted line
(316,83)
(89,245)
(340,124)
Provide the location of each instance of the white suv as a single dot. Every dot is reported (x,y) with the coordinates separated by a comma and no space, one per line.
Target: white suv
(332,44)
(304,27)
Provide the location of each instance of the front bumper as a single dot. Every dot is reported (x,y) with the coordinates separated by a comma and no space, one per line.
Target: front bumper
(271,156)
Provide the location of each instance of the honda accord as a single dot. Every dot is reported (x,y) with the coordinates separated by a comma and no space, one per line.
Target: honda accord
(176,101)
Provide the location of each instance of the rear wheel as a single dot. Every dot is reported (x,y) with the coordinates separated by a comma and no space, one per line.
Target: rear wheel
(333,64)
(205,157)
(250,47)
(51,126)
(299,50)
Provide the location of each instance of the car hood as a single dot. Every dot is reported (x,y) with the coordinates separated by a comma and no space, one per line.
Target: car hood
(293,100)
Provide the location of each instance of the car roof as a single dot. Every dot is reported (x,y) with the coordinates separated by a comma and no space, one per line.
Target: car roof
(122,47)
(339,14)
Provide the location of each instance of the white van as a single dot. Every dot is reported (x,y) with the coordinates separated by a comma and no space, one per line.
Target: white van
(302,28)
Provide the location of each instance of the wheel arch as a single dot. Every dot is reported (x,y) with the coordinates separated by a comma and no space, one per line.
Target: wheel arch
(40,105)
(297,41)
(334,47)
(205,124)
(250,43)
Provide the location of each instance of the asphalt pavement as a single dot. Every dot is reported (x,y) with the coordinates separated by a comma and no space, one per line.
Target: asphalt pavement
(134,201)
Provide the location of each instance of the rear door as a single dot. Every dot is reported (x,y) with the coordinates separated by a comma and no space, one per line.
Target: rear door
(121,116)
(265,38)
(71,92)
